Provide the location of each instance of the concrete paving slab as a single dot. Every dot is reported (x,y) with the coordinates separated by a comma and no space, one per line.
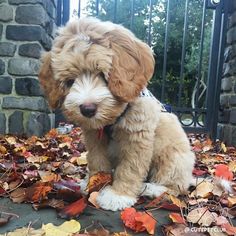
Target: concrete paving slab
(109,220)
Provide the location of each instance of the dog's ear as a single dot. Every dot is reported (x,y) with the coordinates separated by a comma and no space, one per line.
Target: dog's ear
(132,65)
(50,86)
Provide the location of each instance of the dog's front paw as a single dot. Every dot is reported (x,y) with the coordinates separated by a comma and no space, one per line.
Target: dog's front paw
(109,200)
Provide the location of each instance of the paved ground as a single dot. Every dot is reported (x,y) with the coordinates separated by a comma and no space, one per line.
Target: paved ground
(109,220)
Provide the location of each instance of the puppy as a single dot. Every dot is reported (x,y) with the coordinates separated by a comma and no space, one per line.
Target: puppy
(97,73)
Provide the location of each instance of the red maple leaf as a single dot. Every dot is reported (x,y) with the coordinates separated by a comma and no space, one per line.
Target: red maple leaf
(223,171)
(74,209)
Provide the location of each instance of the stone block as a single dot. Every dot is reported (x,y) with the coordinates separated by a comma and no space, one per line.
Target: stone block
(50,7)
(28,33)
(23,32)
(30,50)
(25,103)
(2,123)
(17,2)
(1,28)
(224,100)
(28,87)
(232,100)
(3,1)
(2,67)
(232,20)
(16,123)
(23,66)
(226,84)
(231,35)
(5,84)
(229,68)
(32,14)
(233,139)
(225,133)
(6,13)
(230,53)
(38,124)
(224,116)
(7,49)
(233,116)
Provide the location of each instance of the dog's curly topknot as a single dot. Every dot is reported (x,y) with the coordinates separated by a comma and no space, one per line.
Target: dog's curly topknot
(89,44)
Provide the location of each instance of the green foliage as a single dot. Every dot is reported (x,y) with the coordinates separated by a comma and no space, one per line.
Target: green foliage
(175,39)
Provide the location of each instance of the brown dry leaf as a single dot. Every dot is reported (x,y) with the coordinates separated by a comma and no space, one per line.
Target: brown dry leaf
(201,216)
(54,203)
(232,166)
(205,189)
(93,199)
(3,150)
(18,195)
(97,232)
(193,202)
(26,231)
(178,202)
(231,201)
(98,181)
(11,140)
(121,234)
(37,192)
(37,159)
(177,218)
(82,159)
(48,176)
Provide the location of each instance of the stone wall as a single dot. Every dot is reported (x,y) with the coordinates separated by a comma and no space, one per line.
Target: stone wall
(26,28)
(227,113)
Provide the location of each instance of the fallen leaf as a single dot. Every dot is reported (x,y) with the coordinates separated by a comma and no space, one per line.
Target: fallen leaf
(223,147)
(203,189)
(66,229)
(25,231)
(138,221)
(82,159)
(222,171)
(232,166)
(128,218)
(98,181)
(177,202)
(37,192)
(199,172)
(229,229)
(156,202)
(74,209)
(3,150)
(201,216)
(177,218)
(53,203)
(147,220)
(231,201)
(18,195)
(4,221)
(92,199)
(48,176)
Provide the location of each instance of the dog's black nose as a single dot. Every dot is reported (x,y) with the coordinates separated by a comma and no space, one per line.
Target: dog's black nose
(88,109)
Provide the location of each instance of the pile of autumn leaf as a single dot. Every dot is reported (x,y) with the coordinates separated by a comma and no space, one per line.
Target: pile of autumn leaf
(47,172)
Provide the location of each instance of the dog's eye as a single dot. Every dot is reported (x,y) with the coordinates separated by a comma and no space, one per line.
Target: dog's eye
(69,83)
(102,75)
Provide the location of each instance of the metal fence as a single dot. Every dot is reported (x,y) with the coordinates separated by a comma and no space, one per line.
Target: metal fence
(188,37)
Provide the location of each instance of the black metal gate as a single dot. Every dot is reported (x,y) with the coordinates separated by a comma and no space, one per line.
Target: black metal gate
(188,38)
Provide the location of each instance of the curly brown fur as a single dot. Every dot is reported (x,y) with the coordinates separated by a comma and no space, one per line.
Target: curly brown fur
(94,71)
